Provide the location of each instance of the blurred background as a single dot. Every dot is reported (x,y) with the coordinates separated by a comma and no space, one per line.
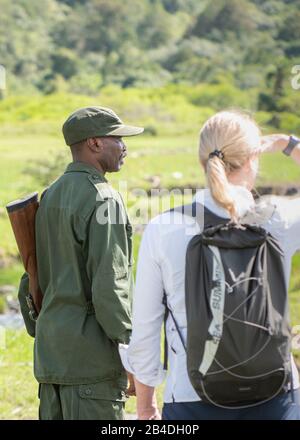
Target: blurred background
(165,64)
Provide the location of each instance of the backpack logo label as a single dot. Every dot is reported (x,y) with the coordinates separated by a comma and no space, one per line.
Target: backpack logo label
(239,279)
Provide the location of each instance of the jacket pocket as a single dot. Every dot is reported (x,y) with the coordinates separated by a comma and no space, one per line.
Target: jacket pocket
(103,391)
(101,401)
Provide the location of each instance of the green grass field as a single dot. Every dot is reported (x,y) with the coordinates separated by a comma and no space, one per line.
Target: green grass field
(18,388)
(31,132)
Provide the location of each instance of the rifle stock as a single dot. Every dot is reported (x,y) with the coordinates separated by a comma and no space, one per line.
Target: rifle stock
(22,214)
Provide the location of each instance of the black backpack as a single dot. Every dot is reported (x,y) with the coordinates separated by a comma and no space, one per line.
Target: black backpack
(238,334)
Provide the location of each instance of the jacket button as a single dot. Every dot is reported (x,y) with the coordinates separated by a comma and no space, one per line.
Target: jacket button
(88,391)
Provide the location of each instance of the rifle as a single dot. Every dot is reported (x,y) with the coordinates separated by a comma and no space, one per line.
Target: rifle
(22,214)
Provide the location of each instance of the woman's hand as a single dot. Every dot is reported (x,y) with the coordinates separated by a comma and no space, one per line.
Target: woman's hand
(146,402)
(149,414)
(278,142)
(274,143)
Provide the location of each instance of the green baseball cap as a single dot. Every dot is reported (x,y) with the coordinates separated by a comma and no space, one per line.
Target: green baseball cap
(91,122)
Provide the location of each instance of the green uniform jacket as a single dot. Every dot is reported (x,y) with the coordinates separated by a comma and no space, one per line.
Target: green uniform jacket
(84,254)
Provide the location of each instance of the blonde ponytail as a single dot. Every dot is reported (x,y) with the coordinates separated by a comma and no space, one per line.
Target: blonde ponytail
(219,186)
(227,141)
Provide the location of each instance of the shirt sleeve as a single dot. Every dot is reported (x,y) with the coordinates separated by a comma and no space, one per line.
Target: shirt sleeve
(289,215)
(142,356)
(293,223)
(109,272)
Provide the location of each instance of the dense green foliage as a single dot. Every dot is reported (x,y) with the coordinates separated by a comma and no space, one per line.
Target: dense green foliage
(82,45)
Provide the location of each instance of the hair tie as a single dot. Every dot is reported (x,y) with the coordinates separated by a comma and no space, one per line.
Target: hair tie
(216,153)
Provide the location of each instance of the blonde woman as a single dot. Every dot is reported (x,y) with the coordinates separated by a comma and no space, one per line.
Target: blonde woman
(229,151)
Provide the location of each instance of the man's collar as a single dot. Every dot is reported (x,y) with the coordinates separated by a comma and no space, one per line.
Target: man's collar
(81,167)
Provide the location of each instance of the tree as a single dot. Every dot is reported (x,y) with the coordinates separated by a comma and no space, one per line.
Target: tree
(275,80)
(236,16)
(290,28)
(65,63)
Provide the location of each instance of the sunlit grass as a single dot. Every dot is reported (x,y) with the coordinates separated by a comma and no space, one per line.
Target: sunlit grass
(18,388)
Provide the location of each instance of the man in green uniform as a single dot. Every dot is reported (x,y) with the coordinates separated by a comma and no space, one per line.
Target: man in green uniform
(84,254)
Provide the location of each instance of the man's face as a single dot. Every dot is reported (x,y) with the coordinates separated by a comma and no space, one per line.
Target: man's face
(112,154)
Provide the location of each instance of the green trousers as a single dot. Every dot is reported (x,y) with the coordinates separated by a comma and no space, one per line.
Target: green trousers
(100,401)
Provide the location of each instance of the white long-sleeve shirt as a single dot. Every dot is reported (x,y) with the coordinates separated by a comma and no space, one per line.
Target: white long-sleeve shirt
(161,266)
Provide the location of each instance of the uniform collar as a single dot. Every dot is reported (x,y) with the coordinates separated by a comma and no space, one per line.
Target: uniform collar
(81,167)
(242,196)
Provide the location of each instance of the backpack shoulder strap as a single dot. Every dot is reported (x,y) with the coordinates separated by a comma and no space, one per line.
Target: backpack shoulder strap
(201,214)
(262,213)
(167,312)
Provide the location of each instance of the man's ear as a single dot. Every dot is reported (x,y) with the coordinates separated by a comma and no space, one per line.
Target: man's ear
(95,144)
